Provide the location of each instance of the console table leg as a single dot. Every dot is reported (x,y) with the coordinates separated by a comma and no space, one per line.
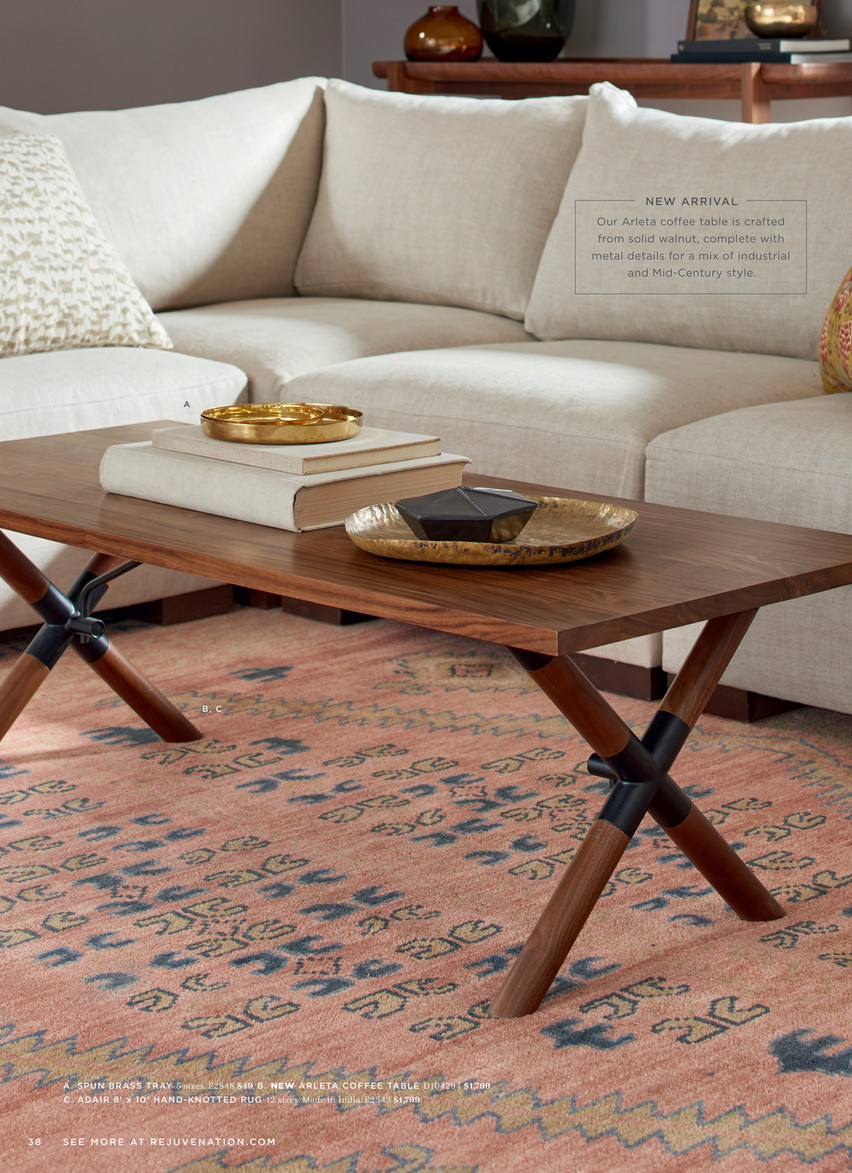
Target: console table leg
(754,103)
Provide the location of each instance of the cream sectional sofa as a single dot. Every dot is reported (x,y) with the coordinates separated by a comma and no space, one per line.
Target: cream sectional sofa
(443,264)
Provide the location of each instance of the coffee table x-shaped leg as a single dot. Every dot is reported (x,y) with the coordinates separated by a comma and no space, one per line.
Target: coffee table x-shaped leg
(68,622)
(640,785)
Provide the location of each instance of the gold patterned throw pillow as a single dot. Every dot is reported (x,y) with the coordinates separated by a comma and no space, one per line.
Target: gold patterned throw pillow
(62,285)
(835,340)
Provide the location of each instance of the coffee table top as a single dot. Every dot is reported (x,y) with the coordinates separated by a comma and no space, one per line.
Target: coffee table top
(676,567)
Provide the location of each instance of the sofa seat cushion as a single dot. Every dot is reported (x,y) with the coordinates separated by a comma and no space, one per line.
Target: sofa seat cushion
(437,199)
(737,224)
(75,390)
(203,200)
(785,462)
(275,339)
(577,414)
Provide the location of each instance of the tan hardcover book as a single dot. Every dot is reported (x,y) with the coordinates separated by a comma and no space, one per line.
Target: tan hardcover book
(264,496)
(370,446)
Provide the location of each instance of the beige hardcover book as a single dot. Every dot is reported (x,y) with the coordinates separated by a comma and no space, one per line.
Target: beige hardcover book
(370,446)
(264,496)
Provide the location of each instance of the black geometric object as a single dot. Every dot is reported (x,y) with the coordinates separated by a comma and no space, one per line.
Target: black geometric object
(467,515)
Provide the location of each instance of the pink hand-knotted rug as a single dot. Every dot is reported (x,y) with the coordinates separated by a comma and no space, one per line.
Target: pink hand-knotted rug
(274,948)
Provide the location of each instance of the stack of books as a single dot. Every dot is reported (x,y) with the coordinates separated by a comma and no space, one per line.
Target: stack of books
(289,486)
(793,50)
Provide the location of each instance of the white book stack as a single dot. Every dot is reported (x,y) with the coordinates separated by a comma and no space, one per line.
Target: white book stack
(289,486)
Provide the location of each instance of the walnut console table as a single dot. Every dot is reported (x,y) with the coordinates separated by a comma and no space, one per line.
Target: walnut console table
(756,84)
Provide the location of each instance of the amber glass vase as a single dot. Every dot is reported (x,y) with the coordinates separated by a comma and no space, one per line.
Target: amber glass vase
(443,34)
(526,30)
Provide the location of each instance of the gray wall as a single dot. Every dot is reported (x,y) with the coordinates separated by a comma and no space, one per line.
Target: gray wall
(58,55)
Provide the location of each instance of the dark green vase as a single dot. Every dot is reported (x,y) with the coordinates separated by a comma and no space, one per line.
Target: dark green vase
(525,30)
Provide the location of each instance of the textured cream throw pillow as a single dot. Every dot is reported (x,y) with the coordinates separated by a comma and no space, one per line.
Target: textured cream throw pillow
(697,232)
(62,286)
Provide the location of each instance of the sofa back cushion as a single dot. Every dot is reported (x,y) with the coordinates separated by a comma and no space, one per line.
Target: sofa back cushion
(697,232)
(204,201)
(437,199)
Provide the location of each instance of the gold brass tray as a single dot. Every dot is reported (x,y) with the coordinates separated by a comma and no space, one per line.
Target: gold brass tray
(562,529)
(281,423)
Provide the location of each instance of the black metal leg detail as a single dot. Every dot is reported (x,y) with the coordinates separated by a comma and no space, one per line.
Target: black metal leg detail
(69,623)
(68,617)
(89,588)
(663,740)
(637,779)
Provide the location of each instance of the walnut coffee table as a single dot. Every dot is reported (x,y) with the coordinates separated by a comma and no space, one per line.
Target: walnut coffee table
(676,567)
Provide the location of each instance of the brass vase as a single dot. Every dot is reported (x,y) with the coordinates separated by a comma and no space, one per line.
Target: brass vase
(443,34)
(782,20)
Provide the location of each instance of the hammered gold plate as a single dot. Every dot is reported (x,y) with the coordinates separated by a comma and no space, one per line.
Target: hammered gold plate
(281,423)
(562,529)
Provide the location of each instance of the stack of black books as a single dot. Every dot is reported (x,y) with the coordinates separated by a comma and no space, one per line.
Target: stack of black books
(798,51)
